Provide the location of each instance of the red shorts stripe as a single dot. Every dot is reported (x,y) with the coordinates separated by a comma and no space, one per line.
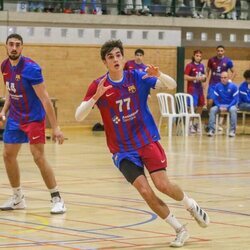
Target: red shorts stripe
(35,131)
(153,156)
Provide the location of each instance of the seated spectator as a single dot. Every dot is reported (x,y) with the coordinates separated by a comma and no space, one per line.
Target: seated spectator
(225,100)
(104,7)
(83,10)
(138,7)
(131,6)
(197,8)
(244,92)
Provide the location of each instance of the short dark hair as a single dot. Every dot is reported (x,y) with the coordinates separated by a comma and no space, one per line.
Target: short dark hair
(247,74)
(220,46)
(141,51)
(14,35)
(109,46)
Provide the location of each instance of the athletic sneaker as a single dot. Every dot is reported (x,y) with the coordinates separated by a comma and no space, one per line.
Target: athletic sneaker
(210,133)
(181,237)
(220,129)
(58,206)
(192,129)
(232,133)
(198,130)
(199,214)
(206,128)
(13,203)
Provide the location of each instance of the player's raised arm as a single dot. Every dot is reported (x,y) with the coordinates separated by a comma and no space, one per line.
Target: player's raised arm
(163,81)
(85,107)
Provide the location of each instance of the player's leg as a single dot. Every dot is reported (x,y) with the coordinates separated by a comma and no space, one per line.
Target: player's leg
(156,162)
(199,108)
(10,153)
(162,183)
(36,134)
(12,144)
(37,150)
(193,123)
(135,175)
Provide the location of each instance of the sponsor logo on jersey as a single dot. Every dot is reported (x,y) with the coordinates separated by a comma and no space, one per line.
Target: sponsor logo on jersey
(132,89)
(18,77)
(116,119)
(109,94)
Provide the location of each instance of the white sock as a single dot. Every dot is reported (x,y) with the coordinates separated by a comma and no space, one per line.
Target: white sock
(53,190)
(173,222)
(18,192)
(187,202)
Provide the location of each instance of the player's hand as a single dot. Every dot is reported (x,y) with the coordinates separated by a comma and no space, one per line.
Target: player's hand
(2,116)
(201,78)
(152,71)
(223,109)
(57,135)
(101,89)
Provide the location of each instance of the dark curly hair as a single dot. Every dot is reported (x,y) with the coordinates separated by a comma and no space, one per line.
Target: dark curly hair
(109,46)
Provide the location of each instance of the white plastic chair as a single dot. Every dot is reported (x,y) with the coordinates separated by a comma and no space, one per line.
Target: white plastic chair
(167,109)
(227,114)
(244,114)
(187,110)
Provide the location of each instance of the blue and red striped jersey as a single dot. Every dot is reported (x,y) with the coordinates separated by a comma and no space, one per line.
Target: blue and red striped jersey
(217,66)
(25,106)
(128,122)
(130,65)
(195,70)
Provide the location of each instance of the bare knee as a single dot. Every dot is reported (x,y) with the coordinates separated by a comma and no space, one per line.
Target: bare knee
(38,159)
(38,156)
(146,192)
(163,187)
(8,156)
(170,189)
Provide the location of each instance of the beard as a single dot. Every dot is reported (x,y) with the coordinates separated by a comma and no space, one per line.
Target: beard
(14,57)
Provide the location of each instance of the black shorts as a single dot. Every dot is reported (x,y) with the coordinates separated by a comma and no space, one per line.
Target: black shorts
(130,170)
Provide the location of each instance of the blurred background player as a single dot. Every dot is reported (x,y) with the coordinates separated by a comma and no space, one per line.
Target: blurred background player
(215,66)
(195,76)
(137,62)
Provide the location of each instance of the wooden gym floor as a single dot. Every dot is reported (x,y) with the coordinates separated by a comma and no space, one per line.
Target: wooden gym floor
(105,212)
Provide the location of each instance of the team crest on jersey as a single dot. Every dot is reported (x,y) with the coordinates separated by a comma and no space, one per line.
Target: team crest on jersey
(116,119)
(18,77)
(132,89)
